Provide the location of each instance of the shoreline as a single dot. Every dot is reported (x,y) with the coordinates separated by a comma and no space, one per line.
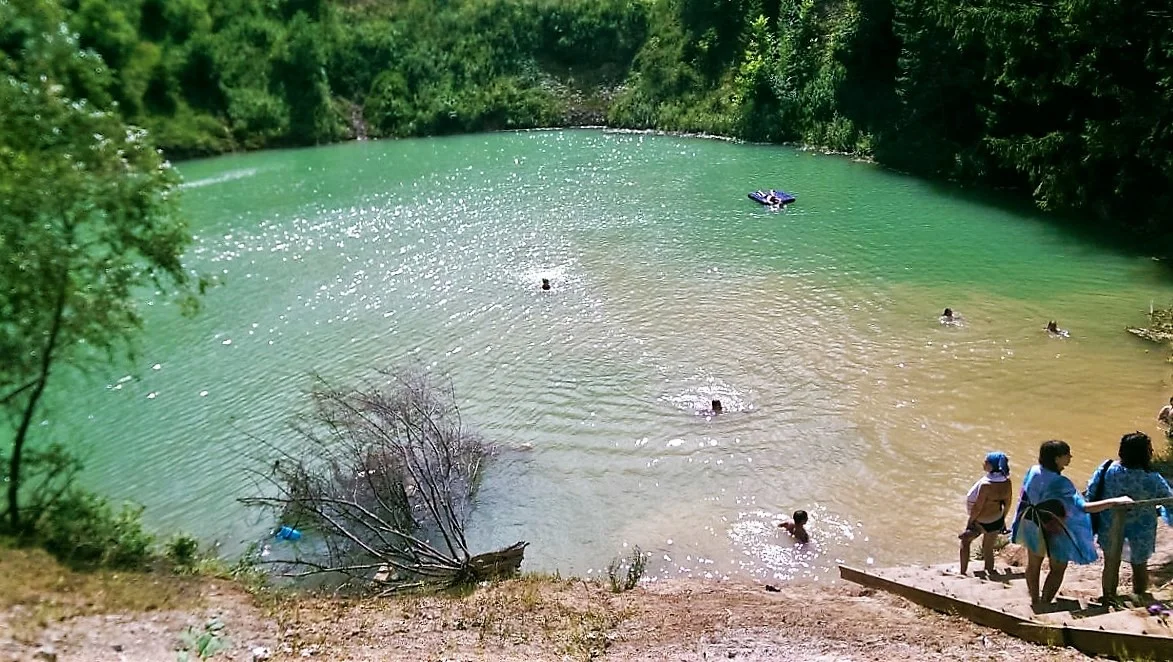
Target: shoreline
(48,612)
(534,617)
(858,157)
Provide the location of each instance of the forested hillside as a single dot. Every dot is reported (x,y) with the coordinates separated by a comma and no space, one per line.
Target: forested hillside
(1069,101)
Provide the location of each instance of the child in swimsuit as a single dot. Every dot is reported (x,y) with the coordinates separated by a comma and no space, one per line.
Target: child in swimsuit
(987,503)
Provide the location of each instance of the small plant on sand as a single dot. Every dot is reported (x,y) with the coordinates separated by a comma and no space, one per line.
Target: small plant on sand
(202,644)
(589,633)
(624,572)
(183,551)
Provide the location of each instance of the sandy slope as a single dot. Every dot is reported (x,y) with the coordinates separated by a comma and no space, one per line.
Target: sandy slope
(137,617)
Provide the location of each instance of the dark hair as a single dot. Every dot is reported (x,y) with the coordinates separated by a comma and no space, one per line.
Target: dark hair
(948,312)
(717,405)
(800,517)
(1050,450)
(1136,451)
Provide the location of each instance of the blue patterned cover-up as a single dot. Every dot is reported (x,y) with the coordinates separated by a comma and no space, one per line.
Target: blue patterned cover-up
(1140,524)
(1067,538)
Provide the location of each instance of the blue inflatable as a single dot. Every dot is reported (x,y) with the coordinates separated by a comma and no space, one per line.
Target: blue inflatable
(287,533)
(782,198)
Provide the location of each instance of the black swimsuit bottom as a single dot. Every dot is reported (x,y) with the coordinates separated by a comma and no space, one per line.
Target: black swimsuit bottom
(995,526)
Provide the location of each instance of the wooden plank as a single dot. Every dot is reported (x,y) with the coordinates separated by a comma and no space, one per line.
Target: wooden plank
(1047,635)
(1122,645)
(1112,556)
(1090,640)
(1145,503)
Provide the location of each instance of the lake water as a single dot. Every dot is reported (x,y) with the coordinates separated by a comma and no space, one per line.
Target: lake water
(816,326)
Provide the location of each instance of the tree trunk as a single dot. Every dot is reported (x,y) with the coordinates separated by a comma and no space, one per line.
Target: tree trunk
(26,419)
(499,564)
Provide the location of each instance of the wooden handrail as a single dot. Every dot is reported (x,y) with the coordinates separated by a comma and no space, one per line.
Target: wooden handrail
(1145,503)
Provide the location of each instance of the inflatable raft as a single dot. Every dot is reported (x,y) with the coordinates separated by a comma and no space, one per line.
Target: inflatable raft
(783,197)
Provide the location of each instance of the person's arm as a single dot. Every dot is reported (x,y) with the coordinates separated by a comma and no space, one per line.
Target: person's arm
(976,509)
(1097,506)
(1008,512)
(1162,488)
(1093,484)
(1161,491)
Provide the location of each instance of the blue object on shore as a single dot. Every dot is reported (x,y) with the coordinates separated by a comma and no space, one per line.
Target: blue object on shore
(783,197)
(287,533)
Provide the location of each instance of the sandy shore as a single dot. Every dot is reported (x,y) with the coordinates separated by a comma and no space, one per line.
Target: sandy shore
(57,614)
(49,611)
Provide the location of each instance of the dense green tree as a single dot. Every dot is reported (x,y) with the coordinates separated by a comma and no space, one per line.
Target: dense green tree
(87,219)
(1067,101)
(300,72)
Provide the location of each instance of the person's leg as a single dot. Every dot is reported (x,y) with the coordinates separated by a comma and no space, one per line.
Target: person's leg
(1034,565)
(1140,578)
(1142,544)
(1108,580)
(988,540)
(965,553)
(1054,580)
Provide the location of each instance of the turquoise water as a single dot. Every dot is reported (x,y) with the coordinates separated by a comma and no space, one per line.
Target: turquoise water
(816,326)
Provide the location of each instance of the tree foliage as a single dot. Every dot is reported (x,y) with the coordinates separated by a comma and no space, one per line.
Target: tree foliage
(87,219)
(1066,101)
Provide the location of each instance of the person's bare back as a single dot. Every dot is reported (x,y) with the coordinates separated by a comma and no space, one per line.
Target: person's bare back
(994,501)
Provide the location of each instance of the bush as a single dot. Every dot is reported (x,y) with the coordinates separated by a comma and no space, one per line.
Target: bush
(183,551)
(82,529)
(624,572)
(189,133)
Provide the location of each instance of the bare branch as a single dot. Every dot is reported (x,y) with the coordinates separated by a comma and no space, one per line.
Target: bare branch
(371,461)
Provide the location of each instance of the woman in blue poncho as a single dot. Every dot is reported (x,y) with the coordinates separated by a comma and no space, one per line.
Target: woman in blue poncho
(1134,476)
(1052,520)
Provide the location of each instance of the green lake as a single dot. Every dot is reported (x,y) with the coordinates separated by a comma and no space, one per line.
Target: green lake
(816,326)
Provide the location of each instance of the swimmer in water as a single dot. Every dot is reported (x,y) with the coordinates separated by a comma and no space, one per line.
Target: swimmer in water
(1165,416)
(717,408)
(545,283)
(950,317)
(1054,330)
(797,526)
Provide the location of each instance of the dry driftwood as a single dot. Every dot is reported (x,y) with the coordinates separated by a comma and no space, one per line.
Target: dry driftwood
(1159,329)
(382,488)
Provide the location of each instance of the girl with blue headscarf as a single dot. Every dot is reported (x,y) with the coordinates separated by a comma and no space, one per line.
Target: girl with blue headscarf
(988,503)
